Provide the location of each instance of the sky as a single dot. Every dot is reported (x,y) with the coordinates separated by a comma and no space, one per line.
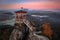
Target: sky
(30,4)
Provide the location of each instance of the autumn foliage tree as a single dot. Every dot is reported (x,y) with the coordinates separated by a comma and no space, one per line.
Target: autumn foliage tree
(47,31)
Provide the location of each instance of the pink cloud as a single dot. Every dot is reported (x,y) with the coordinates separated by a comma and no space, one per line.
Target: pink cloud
(33,5)
(41,5)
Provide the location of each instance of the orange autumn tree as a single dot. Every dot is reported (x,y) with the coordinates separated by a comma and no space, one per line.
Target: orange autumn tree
(47,31)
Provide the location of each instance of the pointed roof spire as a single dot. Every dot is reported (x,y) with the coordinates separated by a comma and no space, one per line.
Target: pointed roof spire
(21,7)
(21,11)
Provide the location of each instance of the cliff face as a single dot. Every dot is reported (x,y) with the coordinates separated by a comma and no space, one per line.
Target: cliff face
(20,32)
(25,31)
